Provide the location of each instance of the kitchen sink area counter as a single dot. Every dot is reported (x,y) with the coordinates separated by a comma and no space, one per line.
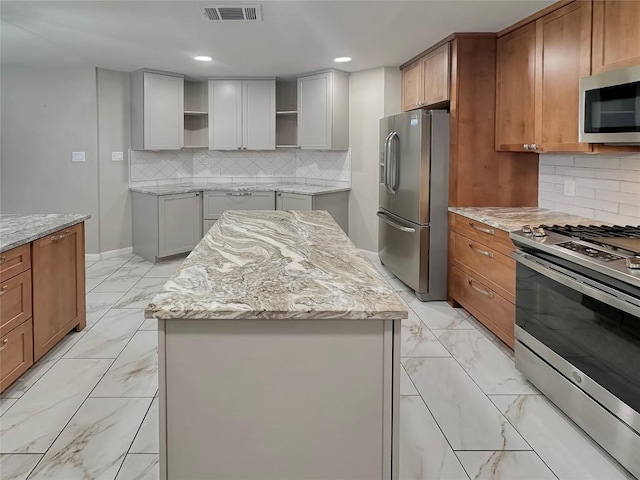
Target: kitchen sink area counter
(260,292)
(510,219)
(299,188)
(17,230)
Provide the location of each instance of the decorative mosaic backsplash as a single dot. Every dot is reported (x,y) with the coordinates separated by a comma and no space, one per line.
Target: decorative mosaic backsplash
(213,166)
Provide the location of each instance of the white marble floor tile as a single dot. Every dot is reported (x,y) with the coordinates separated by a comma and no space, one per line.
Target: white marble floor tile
(141,293)
(138,261)
(104,268)
(148,438)
(135,371)
(424,452)
(437,315)
(418,341)
(485,363)
(91,283)
(397,285)
(32,424)
(566,449)
(140,467)
(94,443)
(17,466)
(466,416)
(149,324)
(490,336)
(407,388)
(504,465)
(28,379)
(98,304)
(5,404)
(165,269)
(63,346)
(121,281)
(109,336)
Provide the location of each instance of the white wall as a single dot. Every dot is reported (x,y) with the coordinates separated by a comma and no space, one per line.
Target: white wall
(373,94)
(114,135)
(607,188)
(48,112)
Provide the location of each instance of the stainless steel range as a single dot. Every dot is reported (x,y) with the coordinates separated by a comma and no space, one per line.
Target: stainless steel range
(578,328)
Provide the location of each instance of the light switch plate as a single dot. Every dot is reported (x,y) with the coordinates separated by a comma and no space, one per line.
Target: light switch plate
(570,188)
(117,156)
(77,156)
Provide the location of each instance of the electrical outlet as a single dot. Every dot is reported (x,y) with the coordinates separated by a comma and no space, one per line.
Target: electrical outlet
(77,156)
(570,188)
(117,156)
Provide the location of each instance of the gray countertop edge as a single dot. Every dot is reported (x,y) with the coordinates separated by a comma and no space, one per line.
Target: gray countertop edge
(28,238)
(286,188)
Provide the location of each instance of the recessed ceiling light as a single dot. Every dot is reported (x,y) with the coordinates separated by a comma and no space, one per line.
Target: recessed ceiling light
(342,59)
(202,58)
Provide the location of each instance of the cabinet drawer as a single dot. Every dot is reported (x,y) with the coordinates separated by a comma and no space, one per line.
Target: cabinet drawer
(16,353)
(497,313)
(481,232)
(15,301)
(486,261)
(15,261)
(217,203)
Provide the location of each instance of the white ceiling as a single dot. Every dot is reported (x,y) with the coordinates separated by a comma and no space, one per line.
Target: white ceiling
(294,37)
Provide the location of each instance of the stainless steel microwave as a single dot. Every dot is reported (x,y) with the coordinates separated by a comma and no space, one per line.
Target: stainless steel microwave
(610,107)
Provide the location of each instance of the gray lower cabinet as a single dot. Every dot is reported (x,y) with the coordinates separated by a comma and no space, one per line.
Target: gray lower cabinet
(166,225)
(215,203)
(336,203)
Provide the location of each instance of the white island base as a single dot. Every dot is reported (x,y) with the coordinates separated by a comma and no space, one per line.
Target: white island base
(279,399)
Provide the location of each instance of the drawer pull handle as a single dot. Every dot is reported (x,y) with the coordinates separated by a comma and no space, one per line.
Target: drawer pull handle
(481,290)
(481,252)
(3,290)
(57,238)
(5,343)
(3,259)
(490,231)
(239,194)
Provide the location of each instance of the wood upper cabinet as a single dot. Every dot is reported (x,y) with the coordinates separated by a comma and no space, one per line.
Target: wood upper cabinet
(515,94)
(58,287)
(426,81)
(538,70)
(616,34)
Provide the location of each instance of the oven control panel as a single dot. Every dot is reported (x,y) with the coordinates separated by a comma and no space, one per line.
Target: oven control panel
(590,251)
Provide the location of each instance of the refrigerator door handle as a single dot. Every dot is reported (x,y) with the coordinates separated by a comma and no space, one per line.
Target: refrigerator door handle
(388,221)
(395,173)
(387,154)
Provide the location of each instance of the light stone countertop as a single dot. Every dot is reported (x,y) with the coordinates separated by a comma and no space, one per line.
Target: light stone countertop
(511,219)
(301,188)
(16,230)
(276,265)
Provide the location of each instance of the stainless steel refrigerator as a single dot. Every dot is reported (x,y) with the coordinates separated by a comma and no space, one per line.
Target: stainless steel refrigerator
(413,200)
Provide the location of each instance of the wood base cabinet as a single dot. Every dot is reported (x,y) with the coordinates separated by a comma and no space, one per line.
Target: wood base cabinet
(482,275)
(16,354)
(58,287)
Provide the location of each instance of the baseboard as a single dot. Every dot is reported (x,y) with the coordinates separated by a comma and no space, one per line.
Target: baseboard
(94,257)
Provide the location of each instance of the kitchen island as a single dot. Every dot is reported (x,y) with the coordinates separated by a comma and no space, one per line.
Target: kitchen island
(279,355)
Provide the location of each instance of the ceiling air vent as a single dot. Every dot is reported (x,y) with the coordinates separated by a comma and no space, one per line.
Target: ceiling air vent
(247,13)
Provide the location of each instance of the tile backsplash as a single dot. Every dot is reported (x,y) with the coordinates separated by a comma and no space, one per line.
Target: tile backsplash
(214,166)
(606,188)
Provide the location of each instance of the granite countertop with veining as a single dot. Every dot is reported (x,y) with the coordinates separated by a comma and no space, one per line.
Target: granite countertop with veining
(276,265)
(16,230)
(301,188)
(511,219)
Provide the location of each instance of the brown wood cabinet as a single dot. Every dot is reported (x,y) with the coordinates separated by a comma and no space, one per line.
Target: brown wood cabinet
(482,275)
(16,353)
(58,287)
(616,34)
(539,66)
(426,81)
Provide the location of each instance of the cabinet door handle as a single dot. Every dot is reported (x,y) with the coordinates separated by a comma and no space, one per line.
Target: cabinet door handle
(3,290)
(478,289)
(526,146)
(533,146)
(2,260)
(481,252)
(5,343)
(279,194)
(490,231)
(239,194)
(57,238)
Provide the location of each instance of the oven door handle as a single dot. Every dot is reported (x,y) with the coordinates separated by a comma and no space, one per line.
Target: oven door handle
(577,282)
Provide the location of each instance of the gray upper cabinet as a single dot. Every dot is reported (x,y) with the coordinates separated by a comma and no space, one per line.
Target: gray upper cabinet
(157,111)
(242,114)
(323,111)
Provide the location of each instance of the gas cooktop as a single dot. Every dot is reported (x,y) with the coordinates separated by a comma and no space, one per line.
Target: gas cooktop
(613,251)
